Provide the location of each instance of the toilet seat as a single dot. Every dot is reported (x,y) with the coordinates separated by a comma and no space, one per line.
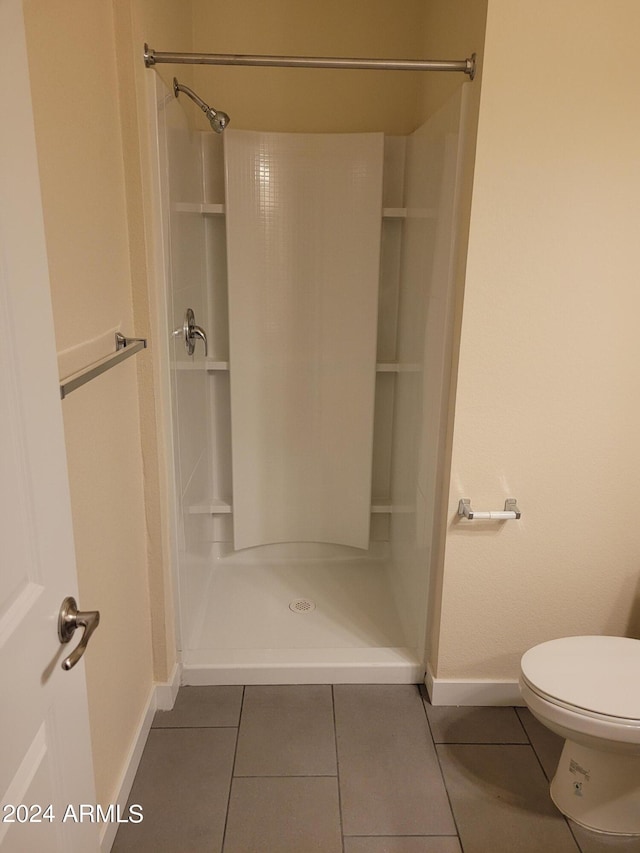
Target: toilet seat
(592,675)
(627,722)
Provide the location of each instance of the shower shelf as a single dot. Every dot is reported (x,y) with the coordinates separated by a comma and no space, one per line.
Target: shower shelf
(381,507)
(394,212)
(396,367)
(208,209)
(216,507)
(212,365)
(209,365)
(409,213)
(220,507)
(200,207)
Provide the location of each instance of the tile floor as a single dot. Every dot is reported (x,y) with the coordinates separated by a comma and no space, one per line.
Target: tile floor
(347,769)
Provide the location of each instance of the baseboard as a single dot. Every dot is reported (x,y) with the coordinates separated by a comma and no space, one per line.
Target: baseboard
(131,766)
(471,691)
(166,693)
(161,697)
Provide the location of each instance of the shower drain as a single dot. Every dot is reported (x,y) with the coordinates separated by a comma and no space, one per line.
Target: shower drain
(302,605)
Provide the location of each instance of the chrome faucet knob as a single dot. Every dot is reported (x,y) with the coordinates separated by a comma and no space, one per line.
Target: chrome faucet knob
(191,332)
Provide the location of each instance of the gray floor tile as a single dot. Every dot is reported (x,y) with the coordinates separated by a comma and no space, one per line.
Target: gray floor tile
(450,724)
(203,707)
(183,786)
(501,802)
(390,781)
(596,842)
(287,730)
(284,815)
(406,844)
(547,744)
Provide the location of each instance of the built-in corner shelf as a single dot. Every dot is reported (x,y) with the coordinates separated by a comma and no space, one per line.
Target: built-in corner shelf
(220,507)
(393,509)
(187,365)
(397,367)
(200,207)
(409,213)
(208,209)
(214,507)
(212,365)
(208,364)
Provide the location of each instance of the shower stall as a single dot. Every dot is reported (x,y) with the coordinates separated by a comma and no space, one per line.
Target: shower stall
(308,318)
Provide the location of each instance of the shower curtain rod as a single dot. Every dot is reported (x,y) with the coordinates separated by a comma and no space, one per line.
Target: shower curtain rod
(467,66)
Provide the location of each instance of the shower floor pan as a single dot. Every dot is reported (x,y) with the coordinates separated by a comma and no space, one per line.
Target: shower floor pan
(299,623)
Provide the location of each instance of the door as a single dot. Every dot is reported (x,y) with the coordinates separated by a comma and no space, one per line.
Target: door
(45,758)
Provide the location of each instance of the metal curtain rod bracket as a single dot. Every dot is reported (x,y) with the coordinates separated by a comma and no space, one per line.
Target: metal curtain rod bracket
(467,66)
(125,348)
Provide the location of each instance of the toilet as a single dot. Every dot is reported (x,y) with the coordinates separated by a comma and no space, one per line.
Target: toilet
(587,690)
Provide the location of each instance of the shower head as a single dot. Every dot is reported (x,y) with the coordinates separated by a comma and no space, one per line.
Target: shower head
(217,119)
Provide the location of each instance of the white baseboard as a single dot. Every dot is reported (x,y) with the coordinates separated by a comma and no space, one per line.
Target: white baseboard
(471,691)
(161,697)
(130,768)
(166,693)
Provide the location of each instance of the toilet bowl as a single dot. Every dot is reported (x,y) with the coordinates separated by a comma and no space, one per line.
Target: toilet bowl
(587,690)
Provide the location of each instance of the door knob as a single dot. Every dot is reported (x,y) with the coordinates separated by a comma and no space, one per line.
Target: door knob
(192,332)
(71,618)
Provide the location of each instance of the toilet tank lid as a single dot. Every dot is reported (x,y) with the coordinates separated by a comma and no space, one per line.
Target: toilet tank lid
(598,674)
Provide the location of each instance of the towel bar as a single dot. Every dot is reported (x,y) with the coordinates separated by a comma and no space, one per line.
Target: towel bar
(125,347)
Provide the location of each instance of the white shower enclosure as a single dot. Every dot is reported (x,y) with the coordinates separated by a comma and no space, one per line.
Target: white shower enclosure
(307,441)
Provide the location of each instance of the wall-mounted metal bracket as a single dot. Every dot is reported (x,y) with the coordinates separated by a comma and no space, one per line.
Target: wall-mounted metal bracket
(509,512)
(122,341)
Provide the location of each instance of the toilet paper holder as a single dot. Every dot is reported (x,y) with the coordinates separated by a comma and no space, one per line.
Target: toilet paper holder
(509,512)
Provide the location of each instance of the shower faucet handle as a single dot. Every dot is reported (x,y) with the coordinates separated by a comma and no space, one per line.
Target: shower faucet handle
(199,332)
(192,332)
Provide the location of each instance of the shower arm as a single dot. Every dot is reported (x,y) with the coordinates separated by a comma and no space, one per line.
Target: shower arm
(466,66)
(180,87)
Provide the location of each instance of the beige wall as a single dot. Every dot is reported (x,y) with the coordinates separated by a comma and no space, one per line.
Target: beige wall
(156,22)
(547,404)
(454,29)
(310,100)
